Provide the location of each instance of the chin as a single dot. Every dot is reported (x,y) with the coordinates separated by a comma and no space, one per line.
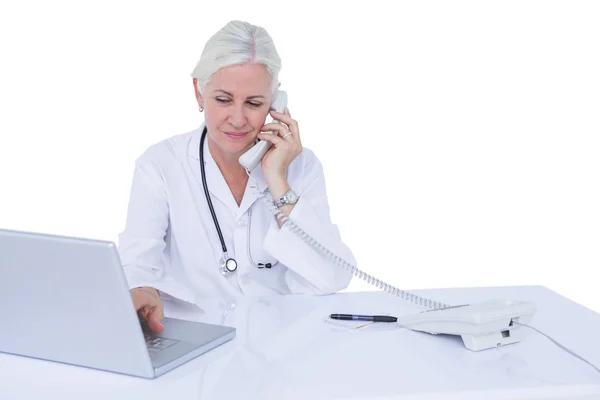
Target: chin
(237,146)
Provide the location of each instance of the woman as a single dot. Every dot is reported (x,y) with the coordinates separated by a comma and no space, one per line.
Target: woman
(171,248)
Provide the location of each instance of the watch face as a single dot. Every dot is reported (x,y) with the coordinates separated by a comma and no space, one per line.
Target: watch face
(291,196)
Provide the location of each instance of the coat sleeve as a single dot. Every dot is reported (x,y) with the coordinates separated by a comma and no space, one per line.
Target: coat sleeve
(142,242)
(310,271)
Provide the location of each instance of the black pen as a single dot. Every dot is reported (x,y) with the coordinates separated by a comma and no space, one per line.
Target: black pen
(372,318)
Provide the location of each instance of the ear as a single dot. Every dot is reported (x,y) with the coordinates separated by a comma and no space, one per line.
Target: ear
(199,98)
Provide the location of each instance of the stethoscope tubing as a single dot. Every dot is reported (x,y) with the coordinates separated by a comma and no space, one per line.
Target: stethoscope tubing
(214,216)
(210,205)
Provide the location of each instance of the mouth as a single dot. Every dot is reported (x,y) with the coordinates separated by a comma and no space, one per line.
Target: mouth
(236,135)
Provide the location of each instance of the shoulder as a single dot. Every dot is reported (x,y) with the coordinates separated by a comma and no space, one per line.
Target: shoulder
(171,149)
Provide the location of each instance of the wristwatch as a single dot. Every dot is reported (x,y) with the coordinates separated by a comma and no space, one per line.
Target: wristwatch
(290,197)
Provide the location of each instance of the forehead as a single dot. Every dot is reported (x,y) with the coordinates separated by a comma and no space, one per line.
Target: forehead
(243,80)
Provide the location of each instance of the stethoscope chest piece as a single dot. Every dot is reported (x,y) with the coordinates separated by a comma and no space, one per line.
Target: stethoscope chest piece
(227,266)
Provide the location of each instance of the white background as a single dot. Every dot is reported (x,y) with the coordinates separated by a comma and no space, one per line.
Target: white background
(460,140)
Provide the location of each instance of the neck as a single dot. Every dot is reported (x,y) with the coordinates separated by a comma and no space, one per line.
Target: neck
(228,163)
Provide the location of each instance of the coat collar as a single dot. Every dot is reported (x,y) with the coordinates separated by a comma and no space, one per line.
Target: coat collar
(216,183)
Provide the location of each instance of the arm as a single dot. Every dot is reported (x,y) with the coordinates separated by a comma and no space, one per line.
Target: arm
(309,269)
(278,188)
(142,243)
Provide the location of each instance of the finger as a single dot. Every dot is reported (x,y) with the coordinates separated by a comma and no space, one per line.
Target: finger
(276,140)
(279,128)
(144,315)
(286,118)
(138,302)
(155,318)
(287,135)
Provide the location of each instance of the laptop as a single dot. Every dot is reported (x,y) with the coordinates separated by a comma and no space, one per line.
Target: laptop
(66,299)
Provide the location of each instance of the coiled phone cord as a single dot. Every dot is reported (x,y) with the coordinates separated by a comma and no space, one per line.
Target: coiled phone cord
(352,269)
(413,298)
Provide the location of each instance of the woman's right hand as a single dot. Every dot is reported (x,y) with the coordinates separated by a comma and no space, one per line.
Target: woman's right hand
(149,307)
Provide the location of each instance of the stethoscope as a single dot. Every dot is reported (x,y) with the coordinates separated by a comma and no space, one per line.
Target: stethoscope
(227,265)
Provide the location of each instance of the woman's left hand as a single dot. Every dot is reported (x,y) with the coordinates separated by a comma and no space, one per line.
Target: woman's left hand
(285,147)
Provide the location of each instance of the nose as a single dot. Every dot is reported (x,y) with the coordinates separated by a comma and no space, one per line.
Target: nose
(237,117)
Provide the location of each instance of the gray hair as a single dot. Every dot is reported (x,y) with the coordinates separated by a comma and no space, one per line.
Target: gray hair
(237,43)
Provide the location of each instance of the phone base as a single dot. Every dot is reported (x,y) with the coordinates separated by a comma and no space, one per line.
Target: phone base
(481,326)
(497,339)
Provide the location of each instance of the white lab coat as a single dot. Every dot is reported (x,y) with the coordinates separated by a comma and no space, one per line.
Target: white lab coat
(170,241)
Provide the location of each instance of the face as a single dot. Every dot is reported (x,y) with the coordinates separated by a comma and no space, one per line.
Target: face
(236,103)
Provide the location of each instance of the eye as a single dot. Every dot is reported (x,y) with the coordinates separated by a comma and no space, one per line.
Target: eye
(222,100)
(253,104)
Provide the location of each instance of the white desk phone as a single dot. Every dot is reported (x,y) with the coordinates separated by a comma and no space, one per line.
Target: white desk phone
(481,325)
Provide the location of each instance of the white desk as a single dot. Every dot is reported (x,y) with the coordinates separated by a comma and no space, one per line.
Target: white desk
(285,350)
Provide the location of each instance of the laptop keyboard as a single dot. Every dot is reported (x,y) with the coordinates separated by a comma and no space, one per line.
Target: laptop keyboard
(157,344)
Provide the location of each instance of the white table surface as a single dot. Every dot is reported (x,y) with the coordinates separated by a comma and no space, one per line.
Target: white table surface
(284,349)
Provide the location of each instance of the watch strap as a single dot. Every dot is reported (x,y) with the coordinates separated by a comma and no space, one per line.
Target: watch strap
(283,200)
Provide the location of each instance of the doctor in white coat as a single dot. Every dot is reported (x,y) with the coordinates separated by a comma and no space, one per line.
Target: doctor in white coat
(170,247)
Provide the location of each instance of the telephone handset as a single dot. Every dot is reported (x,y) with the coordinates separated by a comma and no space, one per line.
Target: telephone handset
(252,157)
